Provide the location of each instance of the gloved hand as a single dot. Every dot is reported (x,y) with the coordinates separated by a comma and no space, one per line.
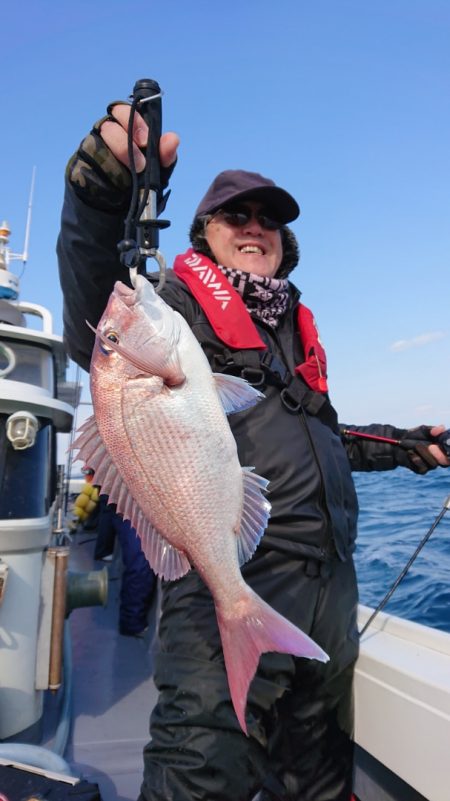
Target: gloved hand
(98,171)
(422,450)
(97,177)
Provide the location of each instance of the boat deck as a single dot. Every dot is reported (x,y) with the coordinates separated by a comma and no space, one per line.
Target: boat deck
(112,688)
(113,694)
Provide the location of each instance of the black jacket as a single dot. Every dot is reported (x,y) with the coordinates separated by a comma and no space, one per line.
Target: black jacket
(301,452)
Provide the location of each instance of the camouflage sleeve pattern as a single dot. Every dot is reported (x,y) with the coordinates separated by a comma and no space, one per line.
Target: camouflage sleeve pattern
(99,179)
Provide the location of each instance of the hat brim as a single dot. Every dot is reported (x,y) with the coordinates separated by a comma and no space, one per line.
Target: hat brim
(282,205)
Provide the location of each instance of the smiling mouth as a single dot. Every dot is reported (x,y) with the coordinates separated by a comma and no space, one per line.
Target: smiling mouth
(252,249)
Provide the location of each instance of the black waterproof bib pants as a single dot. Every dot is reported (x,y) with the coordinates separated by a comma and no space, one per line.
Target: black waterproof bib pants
(299,711)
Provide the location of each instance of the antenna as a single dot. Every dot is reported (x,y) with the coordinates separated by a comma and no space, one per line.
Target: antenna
(28,225)
(10,256)
(9,283)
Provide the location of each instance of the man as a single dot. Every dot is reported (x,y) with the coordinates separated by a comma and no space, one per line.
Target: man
(248,319)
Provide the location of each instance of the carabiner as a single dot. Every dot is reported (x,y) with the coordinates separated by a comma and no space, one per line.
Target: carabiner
(158,256)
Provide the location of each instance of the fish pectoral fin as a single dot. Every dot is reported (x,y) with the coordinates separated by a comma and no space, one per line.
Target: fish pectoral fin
(255,514)
(172,373)
(235,393)
(163,360)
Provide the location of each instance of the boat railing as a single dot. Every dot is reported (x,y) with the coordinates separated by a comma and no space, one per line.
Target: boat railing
(38,311)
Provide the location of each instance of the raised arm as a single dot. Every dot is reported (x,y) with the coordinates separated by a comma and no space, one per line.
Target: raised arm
(96,200)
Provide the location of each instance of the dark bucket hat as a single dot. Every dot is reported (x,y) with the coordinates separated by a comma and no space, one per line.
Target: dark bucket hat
(239,184)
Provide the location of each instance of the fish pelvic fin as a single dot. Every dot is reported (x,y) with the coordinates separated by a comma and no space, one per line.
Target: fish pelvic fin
(235,393)
(257,630)
(255,514)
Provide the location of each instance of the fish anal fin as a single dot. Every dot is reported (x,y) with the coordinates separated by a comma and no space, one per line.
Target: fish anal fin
(165,560)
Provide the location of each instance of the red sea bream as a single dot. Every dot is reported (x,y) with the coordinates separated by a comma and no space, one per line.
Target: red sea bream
(163,451)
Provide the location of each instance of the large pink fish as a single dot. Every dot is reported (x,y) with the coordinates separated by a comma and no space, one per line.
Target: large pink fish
(163,451)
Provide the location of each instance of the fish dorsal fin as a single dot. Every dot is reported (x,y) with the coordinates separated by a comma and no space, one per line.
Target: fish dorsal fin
(166,561)
(255,514)
(235,393)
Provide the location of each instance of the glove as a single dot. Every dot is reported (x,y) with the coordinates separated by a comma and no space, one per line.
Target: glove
(415,442)
(99,179)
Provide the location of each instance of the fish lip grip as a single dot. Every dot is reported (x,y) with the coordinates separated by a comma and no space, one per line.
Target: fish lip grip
(142,219)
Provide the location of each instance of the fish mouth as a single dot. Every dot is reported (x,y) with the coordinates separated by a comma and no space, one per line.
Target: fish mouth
(125,294)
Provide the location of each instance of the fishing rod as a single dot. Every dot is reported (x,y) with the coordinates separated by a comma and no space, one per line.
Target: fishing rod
(443,440)
(142,226)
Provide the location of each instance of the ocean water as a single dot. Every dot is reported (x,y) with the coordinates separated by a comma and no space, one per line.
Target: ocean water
(396,510)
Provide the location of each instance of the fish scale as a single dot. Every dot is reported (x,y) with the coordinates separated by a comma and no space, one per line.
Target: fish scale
(188,489)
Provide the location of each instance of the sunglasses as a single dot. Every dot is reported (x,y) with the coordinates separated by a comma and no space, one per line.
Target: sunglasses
(239,218)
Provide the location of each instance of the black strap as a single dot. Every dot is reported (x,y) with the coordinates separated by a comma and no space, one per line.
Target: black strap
(227,361)
(257,367)
(262,367)
(297,395)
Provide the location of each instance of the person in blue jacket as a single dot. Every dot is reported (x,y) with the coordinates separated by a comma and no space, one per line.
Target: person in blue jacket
(138,581)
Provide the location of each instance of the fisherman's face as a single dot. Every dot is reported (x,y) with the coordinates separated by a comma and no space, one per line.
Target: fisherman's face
(242,237)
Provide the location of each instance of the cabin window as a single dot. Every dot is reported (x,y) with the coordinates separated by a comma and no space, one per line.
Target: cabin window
(29,364)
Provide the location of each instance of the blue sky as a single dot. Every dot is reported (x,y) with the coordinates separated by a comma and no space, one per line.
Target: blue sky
(345,104)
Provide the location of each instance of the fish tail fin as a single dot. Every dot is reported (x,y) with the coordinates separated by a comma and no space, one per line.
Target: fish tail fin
(256,630)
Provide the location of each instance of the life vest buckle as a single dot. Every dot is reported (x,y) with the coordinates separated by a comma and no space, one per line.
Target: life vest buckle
(255,377)
(291,403)
(275,369)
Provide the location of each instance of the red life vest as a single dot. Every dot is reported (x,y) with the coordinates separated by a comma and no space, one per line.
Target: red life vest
(232,324)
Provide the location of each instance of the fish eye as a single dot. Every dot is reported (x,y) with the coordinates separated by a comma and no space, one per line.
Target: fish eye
(113,337)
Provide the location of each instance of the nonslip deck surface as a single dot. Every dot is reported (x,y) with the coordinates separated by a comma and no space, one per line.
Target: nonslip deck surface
(113,690)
